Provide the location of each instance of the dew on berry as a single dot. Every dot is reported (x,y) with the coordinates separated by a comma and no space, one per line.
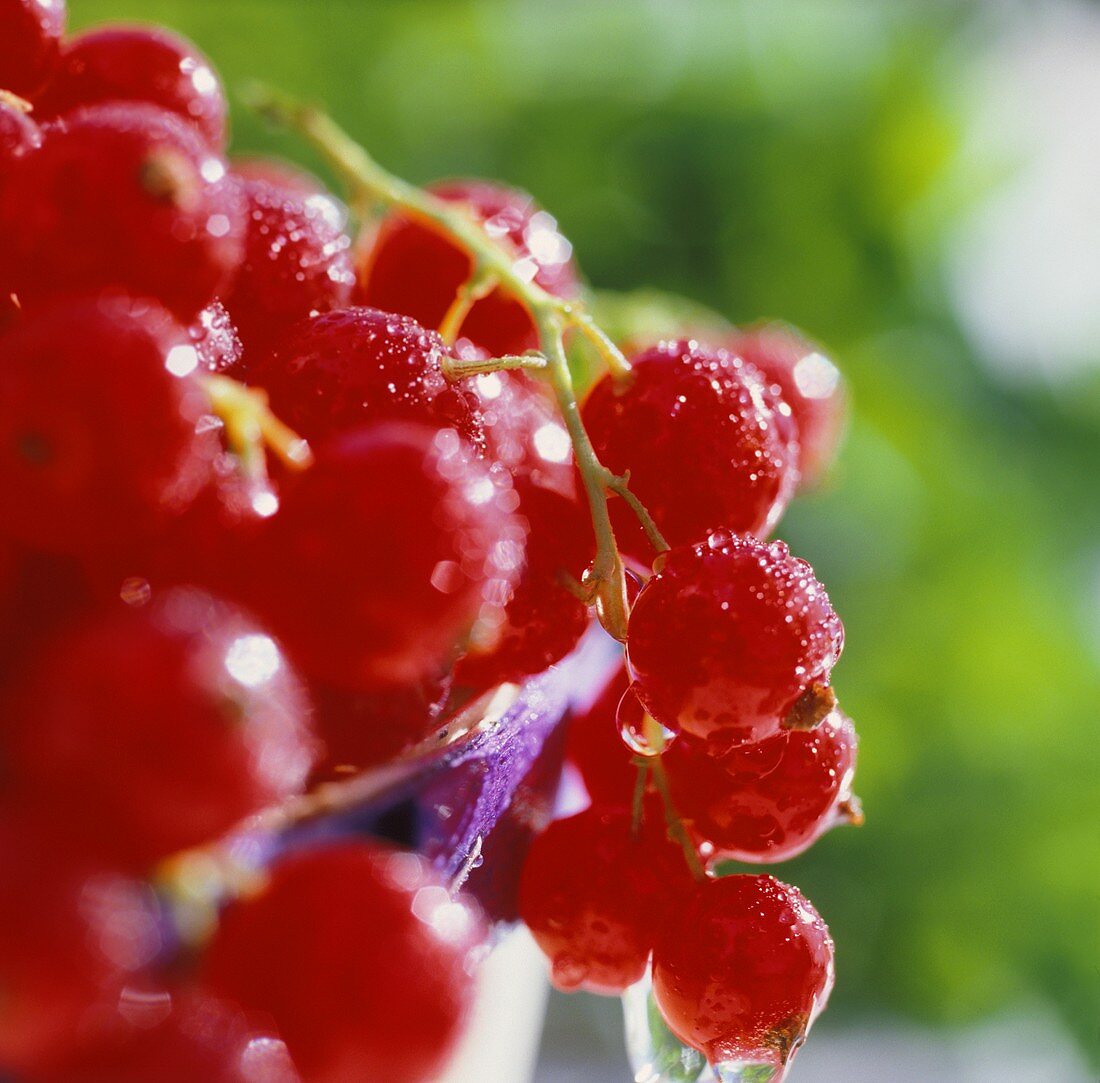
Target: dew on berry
(640,732)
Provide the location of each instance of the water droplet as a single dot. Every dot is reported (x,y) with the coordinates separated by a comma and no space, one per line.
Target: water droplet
(640,731)
(719,539)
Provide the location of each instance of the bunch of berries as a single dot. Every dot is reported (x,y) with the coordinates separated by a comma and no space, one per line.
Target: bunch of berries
(279,501)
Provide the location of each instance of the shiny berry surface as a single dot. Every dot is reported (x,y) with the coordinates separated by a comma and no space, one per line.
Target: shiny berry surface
(215,338)
(185,699)
(595,748)
(728,635)
(543,620)
(696,428)
(71,936)
(99,437)
(296,263)
(595,897)
(30,37)
(141,64)
(769,801)
(19,135)
(123,195)
(413,269)
(808,381)
(377,954)
(385,555)
(744,970)
(344,369)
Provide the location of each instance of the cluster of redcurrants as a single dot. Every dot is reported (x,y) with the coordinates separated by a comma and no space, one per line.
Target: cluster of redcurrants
(261,532)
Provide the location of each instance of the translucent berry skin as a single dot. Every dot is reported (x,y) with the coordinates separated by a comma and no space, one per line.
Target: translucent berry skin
(345,369)
(176,1038)
(296,263)
(98,437)
(744,970)
(767,802)
(810,384)
(413,269)
(19,135)
(727,635)
(698,431)
(71,936)
(595,748)
(185,699)
(30,39)
(122,195)
(543,620)
(385,555)
(595,897)
(215,338)
(379,953)
(139,64)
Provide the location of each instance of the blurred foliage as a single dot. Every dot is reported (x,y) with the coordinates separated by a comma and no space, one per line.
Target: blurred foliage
(800,161)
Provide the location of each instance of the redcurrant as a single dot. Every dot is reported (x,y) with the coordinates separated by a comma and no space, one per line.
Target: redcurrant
(30,38)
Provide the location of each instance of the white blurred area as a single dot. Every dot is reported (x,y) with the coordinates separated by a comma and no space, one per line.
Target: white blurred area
(1024,269)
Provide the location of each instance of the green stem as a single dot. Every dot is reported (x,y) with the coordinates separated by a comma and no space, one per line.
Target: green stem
(458,368)
(655,737)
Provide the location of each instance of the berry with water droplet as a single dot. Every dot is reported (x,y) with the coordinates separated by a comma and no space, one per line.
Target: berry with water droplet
(696,429)
(100,419)
(139,64)
(377,953)
(769,801)
(808,382)
(344,369)
(30,40)
(412,268)
(595,896)
(640,732)
(215,338)
(728,635)
(385,556)
(185,699)
(744,970)
(122,195)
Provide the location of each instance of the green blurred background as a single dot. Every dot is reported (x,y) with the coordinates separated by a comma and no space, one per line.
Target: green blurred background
(841,165)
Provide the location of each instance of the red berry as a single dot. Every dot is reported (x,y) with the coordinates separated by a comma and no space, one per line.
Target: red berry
(364,729)
(344,369)
(525,432)
(595,748)
(147,731)
(728,635)
(697,431)
(30,37)
(595,897)
(769,801)
(138,64)
(385,555)
(360,957)
(122,195)
(19,135)
(291,178)
(215,339)
(70,939)
(414,269)
(810,385)
(175,1038)
(98,433)
(296,263)
(543,620)
(744,970)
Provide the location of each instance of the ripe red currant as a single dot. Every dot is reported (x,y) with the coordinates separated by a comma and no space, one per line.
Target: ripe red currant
(414,269)
(767,802)
(595,748)
(377,953)
(71,937)
(99,419)
(296,263)
(140,64)
(728,635)
(123,195)
(30,37)
(595,897)
(808,382)
(344,369)
(186,700)
(696,428)
(743,971)
(19,135)
(385,555)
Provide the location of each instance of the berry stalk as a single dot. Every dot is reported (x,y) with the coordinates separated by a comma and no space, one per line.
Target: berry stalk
(371,186)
